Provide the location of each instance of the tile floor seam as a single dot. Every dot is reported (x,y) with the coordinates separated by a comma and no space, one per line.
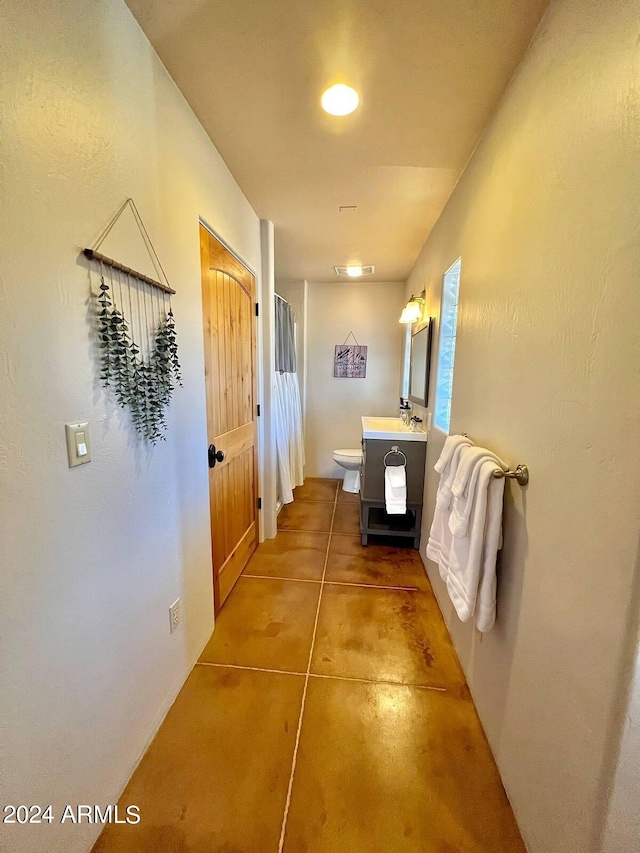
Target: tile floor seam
(324,675)
(287,804)
(278,578)
(411,684)
(373,586)
(334,583)
(313,501)
(250,668)
(302,530)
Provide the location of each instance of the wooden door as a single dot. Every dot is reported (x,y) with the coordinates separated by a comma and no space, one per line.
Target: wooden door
(228,301)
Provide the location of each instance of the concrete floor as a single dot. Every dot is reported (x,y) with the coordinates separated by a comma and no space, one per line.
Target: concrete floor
(327,714)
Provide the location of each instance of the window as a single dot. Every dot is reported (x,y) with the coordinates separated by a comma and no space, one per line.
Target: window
(406,360)
(447,346)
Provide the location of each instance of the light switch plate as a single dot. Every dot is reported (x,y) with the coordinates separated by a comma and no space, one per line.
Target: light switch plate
(78,444)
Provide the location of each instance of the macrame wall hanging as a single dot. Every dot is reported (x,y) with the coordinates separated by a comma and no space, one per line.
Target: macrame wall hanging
(136,328)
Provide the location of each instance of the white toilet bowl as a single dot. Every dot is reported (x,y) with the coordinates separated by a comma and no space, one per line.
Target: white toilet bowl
(350,460)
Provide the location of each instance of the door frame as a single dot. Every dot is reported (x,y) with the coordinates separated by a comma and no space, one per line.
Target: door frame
(229,248)
(258,388)
(265,280)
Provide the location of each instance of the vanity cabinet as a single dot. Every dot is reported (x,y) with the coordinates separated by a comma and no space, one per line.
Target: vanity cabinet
(373,517)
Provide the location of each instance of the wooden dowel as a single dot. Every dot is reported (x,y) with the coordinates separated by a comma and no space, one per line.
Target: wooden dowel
(109,262)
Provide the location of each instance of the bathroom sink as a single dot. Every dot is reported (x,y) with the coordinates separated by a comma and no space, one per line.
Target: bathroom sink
(389,428)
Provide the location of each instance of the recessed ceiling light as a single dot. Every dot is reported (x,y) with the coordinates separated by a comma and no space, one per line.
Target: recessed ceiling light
(340,100)
(354,271)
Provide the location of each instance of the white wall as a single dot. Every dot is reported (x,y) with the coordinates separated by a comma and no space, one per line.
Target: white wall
(335,406)
(92,557)
(545,218)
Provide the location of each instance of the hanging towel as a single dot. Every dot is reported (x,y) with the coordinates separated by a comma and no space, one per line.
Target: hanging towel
(395,489)
(471,576)
(439,544)
(450,444)
(447,466)
(464,484)
(467,564)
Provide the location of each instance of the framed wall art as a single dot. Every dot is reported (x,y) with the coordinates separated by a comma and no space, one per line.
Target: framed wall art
(350,360)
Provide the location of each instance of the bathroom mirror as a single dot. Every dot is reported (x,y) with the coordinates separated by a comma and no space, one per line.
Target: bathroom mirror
(420,363)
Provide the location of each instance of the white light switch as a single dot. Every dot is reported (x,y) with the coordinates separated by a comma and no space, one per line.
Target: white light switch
(81,444)
(78,444)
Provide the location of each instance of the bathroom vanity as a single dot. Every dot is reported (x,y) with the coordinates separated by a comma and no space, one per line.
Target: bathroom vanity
(379,437)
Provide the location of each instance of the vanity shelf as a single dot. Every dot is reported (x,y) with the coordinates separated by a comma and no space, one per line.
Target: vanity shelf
(374,520)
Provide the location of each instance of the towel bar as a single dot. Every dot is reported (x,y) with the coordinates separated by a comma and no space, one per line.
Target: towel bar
(520,475)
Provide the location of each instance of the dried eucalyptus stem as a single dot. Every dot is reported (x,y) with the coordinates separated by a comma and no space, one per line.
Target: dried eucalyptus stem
(144,387)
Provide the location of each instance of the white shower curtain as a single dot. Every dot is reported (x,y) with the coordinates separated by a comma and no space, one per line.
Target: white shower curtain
(289,443)
(287,406)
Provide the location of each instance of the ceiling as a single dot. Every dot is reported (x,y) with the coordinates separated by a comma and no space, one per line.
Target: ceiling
(429,72)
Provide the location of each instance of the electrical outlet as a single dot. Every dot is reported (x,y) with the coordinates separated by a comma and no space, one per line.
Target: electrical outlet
(429,421)
(174,615)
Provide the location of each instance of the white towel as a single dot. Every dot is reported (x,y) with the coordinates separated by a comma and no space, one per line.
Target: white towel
(450,444)
(395,489)
(471,579)
(464,484)
(447,466)
(467,564)
(439,544)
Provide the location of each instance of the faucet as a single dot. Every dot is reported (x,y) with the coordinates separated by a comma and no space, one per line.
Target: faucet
(405,411)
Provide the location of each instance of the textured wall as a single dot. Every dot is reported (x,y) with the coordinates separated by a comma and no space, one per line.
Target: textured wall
(92,557)
(335,406)
(546,220)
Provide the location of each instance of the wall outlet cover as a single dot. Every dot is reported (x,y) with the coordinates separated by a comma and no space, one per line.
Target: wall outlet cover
(174,615)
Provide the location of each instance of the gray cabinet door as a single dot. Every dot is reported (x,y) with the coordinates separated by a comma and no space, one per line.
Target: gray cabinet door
(375,450)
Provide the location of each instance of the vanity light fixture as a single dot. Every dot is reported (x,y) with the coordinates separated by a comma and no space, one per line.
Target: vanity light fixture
(339,100)
(412,311)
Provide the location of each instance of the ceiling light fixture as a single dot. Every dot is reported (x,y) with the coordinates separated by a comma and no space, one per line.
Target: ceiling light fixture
(412,311)
(340,100)
(355,270)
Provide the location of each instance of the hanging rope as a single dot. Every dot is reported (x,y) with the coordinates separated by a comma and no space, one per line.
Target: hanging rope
(94,254)
(351,335)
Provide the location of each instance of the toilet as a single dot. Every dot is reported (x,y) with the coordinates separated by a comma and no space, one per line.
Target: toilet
(351,461)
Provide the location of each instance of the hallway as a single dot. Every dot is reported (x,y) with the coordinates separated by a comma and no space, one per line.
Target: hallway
(327,713)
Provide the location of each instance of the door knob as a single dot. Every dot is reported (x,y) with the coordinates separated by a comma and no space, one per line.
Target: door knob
(215,456)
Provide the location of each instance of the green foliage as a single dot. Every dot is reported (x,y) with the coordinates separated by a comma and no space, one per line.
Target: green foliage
(145,388)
